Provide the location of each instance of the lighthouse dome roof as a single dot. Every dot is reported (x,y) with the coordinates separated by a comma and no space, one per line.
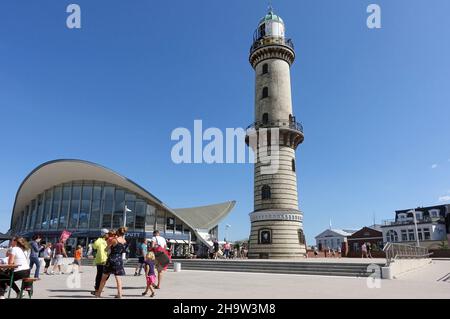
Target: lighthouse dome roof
(271,16)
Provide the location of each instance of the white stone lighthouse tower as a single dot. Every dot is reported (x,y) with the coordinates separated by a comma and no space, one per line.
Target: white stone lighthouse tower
(276,222)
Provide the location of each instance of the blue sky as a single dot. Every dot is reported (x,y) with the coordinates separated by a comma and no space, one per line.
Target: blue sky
(374,103)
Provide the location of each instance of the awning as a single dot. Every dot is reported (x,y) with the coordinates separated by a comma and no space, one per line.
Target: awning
(179,241)
(173,241)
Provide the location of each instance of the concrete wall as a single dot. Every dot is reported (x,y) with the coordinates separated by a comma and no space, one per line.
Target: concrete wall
(401,266)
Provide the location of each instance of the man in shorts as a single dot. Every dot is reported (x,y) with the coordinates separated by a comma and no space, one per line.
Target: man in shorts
(159,247)
(60,253)
(142,252)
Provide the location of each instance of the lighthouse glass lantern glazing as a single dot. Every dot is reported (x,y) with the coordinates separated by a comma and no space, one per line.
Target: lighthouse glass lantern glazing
(270,26)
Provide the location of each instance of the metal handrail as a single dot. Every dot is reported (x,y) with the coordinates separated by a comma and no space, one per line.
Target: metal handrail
(271,41)
(278,123)
(395,251)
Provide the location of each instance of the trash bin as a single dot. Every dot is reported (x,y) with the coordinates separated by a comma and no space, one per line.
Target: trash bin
(176,267)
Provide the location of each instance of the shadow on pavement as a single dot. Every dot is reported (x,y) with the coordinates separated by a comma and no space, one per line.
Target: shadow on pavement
(72,297)
(68,290)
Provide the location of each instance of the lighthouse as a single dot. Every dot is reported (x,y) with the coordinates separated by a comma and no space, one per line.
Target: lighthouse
(276,221)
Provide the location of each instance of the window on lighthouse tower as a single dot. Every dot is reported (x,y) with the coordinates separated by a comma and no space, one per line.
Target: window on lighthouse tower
(265,68)
(265,92)
(265,192)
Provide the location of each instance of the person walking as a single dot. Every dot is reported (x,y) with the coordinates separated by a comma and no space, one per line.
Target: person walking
(114,263)
(77,259)
(150,276)
(101,256)
(364,250)
(216,248)
(315,251)
(34,254)
(226,249)
(142,252)
(369,250)
(47,257)
(16,256)
(59,253)
(162,256)
(89,250)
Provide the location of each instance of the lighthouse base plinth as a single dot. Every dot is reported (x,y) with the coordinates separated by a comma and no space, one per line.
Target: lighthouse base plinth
(276,235)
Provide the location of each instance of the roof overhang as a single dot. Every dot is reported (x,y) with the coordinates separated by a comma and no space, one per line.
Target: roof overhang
(62,171)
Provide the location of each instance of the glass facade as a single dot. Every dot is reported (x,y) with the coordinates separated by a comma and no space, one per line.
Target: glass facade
(88,205)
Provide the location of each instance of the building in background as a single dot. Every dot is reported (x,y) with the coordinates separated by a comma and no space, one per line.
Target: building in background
(333,238)
(83,197)
(276,221)
(372,235)
(431,226)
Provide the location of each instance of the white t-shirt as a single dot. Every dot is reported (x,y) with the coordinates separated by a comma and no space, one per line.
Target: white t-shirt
(160,241)
(20,259)
(47,253)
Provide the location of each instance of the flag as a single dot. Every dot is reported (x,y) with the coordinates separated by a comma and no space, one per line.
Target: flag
(64,235)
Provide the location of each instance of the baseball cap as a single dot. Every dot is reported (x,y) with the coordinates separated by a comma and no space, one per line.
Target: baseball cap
(104,231)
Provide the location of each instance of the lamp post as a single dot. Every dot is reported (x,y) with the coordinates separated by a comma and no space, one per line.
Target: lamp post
(227,226)
(415,226)
(125,211)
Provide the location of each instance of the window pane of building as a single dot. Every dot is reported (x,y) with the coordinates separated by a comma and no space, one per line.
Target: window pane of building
(404,235)
(96,206)
(85,211)
(150,218)
(426,233)
(170,224)
(119,208)
(108,205)
(27,212)
(411,235)
(74,206)
(57,193)
(178,227)
(47,210)
(64,213)
(33,213)
(161,221)
(40,209)
(140,209)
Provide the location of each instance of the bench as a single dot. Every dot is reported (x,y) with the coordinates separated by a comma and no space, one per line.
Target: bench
(27,285)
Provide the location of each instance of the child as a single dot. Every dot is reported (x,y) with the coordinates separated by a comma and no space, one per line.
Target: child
(77,258)
(47,257)
(149,264)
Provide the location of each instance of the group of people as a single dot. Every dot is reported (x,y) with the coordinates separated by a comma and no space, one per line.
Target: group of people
(366,250)
(52,255)
(227,250)
(111,247)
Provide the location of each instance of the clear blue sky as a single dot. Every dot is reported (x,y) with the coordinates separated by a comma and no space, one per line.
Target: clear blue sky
(374,103)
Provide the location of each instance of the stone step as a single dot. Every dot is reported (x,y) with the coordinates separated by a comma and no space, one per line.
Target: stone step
(278,267)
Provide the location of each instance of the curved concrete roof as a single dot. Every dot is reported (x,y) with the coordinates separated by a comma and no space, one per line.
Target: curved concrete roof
(61,171)
(205,217)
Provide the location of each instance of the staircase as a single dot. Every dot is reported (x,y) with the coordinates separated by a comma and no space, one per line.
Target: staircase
(274,267)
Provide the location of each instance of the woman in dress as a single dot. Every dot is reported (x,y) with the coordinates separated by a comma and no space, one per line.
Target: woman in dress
(114,263)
